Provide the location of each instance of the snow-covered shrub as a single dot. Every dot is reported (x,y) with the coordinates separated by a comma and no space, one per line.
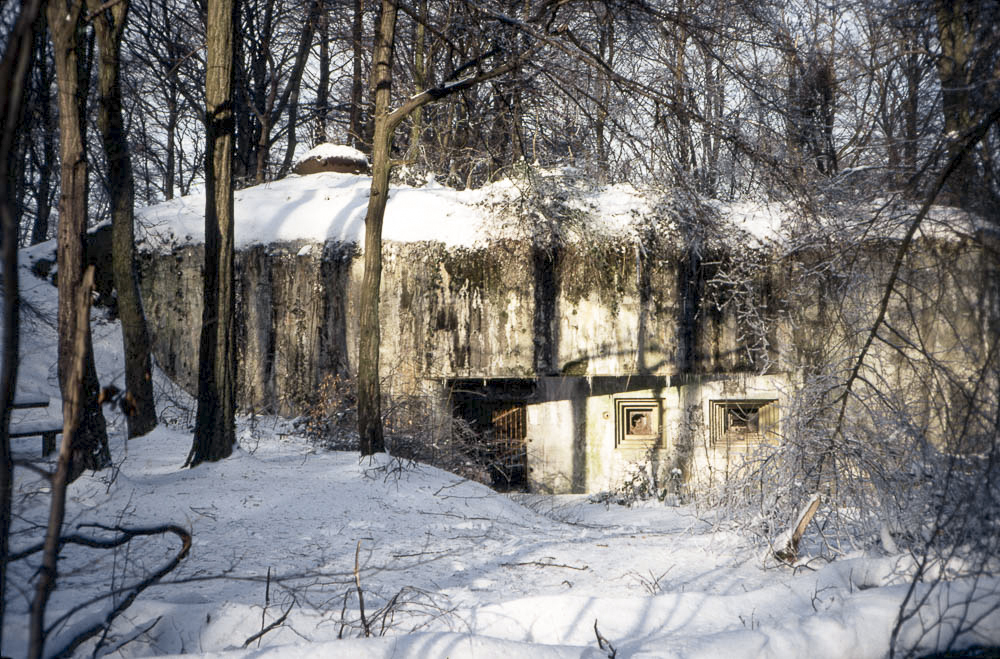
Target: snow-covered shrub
(331,419)
(892,416)
(641,482)
(638,484)
(547,208)
(412,431)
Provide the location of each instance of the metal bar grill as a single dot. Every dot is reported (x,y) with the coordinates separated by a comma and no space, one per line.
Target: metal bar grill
(509,434)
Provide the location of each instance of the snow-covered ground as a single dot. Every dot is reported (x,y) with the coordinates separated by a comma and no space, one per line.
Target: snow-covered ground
(447,567)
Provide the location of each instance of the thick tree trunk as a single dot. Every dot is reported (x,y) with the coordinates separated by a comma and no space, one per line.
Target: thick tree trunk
(90,439)
(141,411)
(13,73)
(369,393)
(215,433)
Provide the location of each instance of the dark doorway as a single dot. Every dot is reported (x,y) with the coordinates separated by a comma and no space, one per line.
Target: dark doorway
(508,446)
(495,411)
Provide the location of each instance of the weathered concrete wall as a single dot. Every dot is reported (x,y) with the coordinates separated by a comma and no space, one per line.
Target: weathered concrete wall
(292,320)
(507,311)
(571,428)
(587,324)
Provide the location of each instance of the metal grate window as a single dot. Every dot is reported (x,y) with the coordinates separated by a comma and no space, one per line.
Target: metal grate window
(637,423)
(742,422)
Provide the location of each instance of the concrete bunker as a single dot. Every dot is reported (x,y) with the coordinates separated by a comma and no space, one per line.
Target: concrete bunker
(568,364)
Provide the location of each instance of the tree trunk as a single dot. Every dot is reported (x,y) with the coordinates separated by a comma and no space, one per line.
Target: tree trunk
(43,100)
(355,130)
(265,93)
(386,122)
(141,411)
(13,72)
(72,403)
(169,175)
(246,124)
(606,51)
(369,393)
(419,81)
(323,85)
(910,107)
(290,97)
(954,24)
(90,439)
(215,433)
(264,139)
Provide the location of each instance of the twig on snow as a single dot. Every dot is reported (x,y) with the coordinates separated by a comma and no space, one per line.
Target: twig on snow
(361,595)
(544,564)
(277,623)
(603,643)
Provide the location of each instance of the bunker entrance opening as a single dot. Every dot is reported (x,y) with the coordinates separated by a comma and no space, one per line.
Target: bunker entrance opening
(496,412)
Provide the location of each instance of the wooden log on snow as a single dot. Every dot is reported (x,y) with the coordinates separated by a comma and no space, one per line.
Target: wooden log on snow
(786,547)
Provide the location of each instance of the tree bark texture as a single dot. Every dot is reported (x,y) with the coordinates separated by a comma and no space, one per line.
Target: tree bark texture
(955,21)
(90,439)
(369,393)
(43,101)
(73,400)
(355,130)
(140,410)
(215,432)
(13,72)
(323,85)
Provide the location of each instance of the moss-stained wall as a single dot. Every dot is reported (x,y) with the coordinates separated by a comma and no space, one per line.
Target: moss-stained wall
(588,322)
(510,310)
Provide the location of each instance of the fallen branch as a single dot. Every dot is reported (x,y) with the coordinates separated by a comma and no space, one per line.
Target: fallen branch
(361,595)
(543,564)
(277,623)
(603,643)
(130,593)
(787,544)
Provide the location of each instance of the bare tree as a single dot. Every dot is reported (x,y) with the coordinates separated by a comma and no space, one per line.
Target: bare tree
(215,433)
(34,170)
(387,120)
(109,22)
(90,439)
(13,72)
(355,132)
(164,92)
